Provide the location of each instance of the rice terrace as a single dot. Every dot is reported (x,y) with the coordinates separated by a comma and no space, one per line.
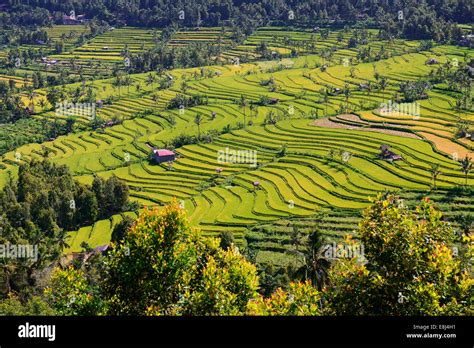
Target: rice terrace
(262,130)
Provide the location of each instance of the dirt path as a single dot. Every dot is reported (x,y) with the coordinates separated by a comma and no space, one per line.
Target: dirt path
(326,122)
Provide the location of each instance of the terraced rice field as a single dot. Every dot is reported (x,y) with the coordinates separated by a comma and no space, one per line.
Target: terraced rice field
(281,41)
(326,174)
(104,51)
(217,36)
(67,32)
(19,82)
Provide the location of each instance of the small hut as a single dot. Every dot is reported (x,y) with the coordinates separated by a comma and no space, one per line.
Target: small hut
(386,154)
(101,249)
(163,155)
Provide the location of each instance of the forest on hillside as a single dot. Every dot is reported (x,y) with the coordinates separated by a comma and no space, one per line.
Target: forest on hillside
(425,19)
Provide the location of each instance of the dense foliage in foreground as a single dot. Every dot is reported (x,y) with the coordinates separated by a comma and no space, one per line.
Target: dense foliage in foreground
(164,267)
(40,207)
(410,267)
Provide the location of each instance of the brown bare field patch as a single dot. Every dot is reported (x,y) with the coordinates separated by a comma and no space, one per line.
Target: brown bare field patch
(365,126)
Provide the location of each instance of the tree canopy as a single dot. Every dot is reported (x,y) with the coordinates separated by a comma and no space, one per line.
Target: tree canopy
(410,268)
(162,266)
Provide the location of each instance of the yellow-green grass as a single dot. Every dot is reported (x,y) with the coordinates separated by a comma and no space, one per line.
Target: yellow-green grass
(302,183)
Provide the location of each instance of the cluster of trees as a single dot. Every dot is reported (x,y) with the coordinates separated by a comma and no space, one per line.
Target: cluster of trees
(175,272)
(414,90)
(22,15)
(46,198)
(420,19)
(11,105)
(24,35)
(410,268)
(159,265)
(17,58)
(28,130)
(80,94)
(38,80)
(456,77)
(368,54)
(31,130)
(212,13)
(14,36)
(167,57)
(111,196)
(425,21)
(40,206)
(13,108)
(206,137)
(182,100)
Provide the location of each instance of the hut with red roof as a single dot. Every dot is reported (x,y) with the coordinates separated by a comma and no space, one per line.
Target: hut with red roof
(163,155)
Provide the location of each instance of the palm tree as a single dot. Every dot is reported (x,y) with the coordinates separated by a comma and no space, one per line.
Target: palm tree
(315,266)
(466,166)
(243,104)
(184,86)
(61,240)
(150,80)
(31,98)
(198,120)
(155,97)
(127,81)
(16,100)
(118,82)
(252,109)
(326,100)
(172,120)
(458,107)
(434,173)
(383,84)
(347,93)
(352,72)
(42,103)
(376,75)
(296,238)
(369,90)
(465,221)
